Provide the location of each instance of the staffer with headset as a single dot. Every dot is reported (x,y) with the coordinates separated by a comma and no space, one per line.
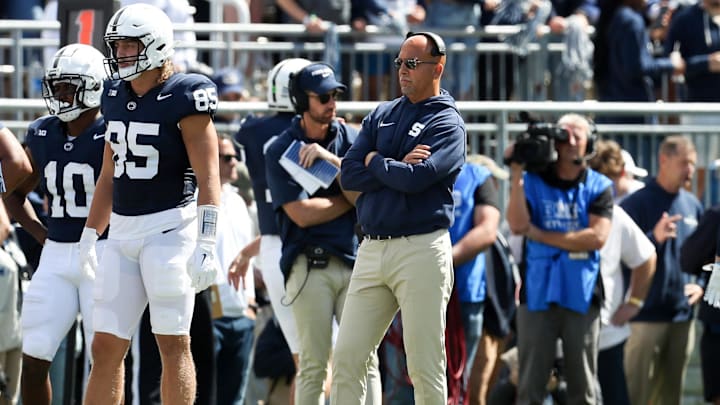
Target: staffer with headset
(317,228)
(565,213)
(404,163)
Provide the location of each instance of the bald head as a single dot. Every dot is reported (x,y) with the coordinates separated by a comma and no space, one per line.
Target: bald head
(423,81)
(433,47)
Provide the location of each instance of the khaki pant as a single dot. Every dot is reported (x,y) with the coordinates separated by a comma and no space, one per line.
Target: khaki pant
(318,296)
(656,357)
(414,274)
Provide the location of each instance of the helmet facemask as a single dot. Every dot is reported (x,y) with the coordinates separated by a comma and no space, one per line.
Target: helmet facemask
(140,61)
(74,82)
(147,26)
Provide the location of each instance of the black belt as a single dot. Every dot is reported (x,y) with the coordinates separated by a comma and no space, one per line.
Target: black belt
(380,237)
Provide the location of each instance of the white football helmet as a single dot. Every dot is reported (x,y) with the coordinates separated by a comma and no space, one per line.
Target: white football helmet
(151,27)
(278,80)
(75,65)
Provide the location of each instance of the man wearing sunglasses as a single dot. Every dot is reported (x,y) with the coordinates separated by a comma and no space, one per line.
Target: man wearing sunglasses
(404,163)
(317,228)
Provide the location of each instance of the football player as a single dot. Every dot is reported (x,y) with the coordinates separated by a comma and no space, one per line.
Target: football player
(161,146)
(65,149)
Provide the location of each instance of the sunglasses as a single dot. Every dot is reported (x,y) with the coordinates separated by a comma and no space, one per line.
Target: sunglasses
(229,158)
(411,63)
(325,98)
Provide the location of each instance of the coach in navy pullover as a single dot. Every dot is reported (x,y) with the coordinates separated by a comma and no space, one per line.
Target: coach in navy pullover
(404,163)
(400,198)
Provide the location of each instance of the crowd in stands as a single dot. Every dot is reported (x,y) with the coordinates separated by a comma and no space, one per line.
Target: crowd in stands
(615,50)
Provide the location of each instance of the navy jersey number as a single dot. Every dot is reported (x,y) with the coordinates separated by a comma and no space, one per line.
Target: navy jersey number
(127,141)
(206,99)
(68,193)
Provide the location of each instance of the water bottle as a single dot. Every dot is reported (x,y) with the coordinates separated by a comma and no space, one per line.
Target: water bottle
(35,75)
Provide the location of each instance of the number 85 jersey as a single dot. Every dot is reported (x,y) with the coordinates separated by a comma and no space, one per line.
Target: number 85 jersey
(152,169)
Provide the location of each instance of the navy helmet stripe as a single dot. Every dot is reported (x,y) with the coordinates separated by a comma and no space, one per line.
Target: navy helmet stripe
(114,22)
(274,79)
(58,56)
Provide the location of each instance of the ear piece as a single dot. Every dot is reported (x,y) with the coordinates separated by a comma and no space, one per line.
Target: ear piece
(298,97)
(592,137)
(438,48)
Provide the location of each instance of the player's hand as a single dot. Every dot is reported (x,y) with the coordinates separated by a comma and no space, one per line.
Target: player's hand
(712,291)
(88,256)
(202,266)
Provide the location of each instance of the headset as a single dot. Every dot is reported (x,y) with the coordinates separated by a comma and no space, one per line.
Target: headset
(591,138)
(438,48)
(298,96)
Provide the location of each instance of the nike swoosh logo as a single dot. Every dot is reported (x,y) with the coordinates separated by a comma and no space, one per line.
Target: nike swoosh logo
(98,136)
(162,97)
(386,124)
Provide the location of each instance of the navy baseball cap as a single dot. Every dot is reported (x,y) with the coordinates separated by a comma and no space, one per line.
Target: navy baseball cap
(319,78)
(228,81)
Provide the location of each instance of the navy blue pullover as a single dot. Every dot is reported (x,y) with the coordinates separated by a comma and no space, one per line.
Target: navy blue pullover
(400,198)
(337,236)
(697,36)
(666,300)
(631,68)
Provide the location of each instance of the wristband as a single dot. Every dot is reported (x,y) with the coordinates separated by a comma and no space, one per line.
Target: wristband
(207,222)
(636,302)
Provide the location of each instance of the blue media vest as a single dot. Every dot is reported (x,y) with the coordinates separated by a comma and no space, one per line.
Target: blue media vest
(554,275)
(469,276)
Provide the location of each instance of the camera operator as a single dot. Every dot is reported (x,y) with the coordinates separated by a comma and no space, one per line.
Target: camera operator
(564,210)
